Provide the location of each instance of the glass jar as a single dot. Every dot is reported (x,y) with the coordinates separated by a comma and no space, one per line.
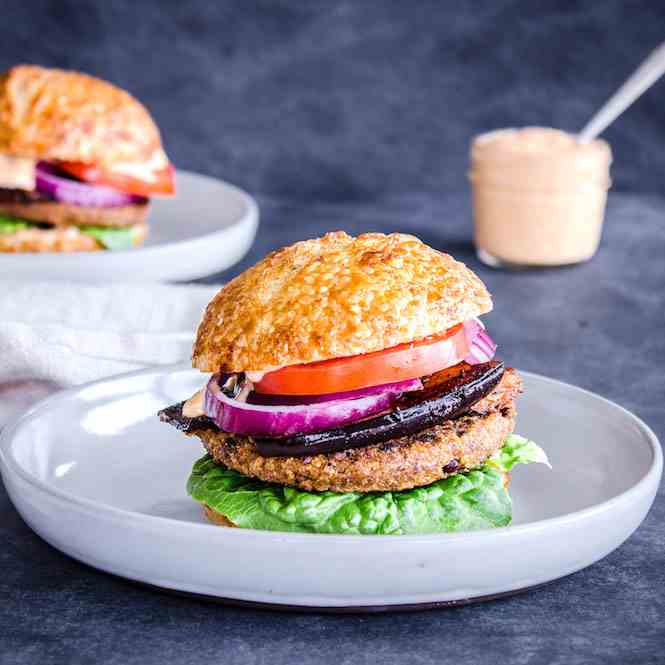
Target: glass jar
(538,196)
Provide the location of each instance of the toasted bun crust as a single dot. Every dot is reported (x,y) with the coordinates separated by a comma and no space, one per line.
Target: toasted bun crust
(65,239)
(332,297)
(217,518)
(53,114)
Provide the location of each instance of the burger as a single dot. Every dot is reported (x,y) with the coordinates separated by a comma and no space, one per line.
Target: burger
(79,161)
(353,391)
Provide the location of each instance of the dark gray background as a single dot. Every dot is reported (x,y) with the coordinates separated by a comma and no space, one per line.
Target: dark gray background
(358,115)
(355,99)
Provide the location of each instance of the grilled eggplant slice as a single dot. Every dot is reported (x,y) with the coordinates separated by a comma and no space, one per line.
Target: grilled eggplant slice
(445,395)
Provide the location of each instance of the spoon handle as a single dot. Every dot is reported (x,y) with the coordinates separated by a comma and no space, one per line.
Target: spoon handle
(640,81)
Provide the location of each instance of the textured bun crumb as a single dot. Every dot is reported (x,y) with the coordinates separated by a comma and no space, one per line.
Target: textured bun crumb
(54,114)
(332,297)
(59,240)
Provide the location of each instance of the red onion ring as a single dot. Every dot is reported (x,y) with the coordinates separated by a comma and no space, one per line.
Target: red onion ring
(481,346)
(231,415)
(73,192)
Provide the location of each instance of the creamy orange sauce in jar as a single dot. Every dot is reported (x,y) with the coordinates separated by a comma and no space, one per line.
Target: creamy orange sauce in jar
(538,196)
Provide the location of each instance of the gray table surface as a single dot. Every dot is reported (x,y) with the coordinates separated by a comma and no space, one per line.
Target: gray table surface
(599,325)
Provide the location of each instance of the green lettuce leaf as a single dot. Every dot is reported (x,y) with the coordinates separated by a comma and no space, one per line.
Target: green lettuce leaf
(517,450)
(10,224)
(464,502)
(108,237)
(113,238)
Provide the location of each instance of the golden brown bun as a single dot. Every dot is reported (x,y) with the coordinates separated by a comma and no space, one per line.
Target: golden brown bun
(332,297)
(53,114)
(216,518)
(67,239)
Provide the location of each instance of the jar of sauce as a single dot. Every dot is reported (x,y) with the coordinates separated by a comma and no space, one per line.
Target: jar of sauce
(538,196)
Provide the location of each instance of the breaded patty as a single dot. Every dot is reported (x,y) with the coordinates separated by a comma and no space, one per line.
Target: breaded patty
(412,461)
(61,214)
(455,445)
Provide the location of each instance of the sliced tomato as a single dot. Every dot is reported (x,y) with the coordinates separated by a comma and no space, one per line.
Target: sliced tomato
(405,361)
(156,182)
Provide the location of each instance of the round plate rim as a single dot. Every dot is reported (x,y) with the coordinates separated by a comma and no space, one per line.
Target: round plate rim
(9,465)
(337,609)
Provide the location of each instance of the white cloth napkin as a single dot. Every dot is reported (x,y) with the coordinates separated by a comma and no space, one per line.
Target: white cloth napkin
(59,334)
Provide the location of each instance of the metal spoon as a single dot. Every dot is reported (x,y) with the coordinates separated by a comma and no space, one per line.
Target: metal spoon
(640,81)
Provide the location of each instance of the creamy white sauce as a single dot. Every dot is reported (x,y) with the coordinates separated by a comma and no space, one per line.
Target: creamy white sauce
(144,171)
(193,407)
(257,375)
(538,195)
(17,172)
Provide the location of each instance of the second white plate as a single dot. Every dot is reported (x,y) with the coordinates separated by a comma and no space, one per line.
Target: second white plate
(94,472)
(207,227)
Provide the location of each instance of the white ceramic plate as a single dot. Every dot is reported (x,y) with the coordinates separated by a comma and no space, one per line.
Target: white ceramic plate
(207,227)
(95,473)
